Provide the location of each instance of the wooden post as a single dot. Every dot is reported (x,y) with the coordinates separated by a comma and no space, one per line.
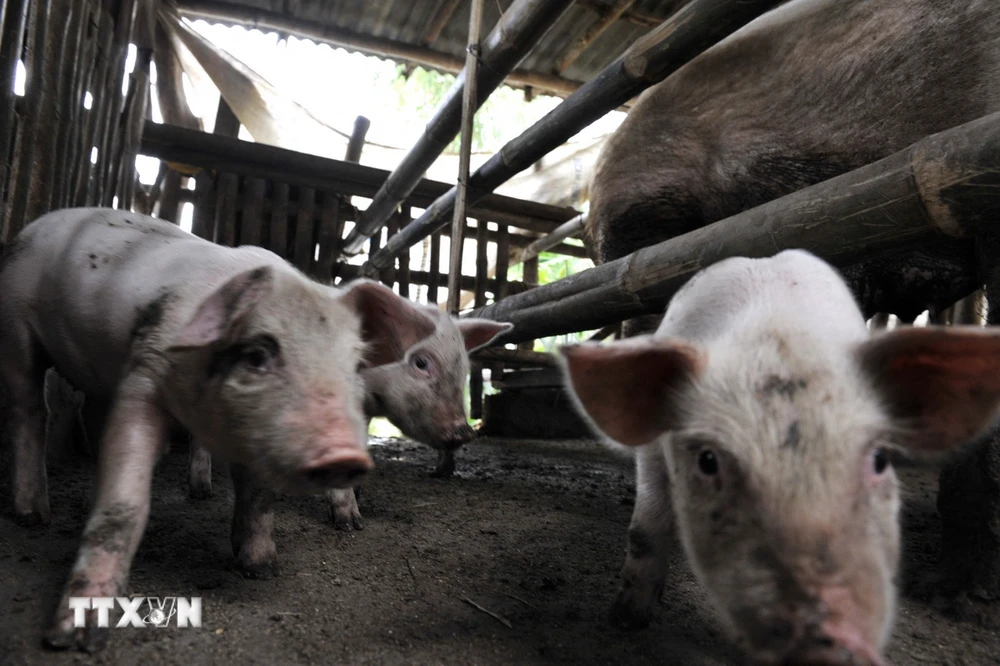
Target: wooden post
(305,246)
(357,142)
(946,184)
(279,220)
(225,209)
(529,276)
(252,221)
(517,31)
(389,274)
(403,273)
(469,106)
(503,261)
(86,188)
(698,25)
(330,230)
(434,270)
(15,22)
(482,268)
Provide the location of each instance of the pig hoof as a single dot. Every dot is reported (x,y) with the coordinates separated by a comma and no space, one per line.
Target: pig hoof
(32,518)
(626,614)
(262,571)
(443,472)
(200,490)
(445,465)
(348,522)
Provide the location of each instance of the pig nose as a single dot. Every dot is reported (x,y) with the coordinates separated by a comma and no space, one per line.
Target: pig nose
(835,646)
(340,469)
(459,434)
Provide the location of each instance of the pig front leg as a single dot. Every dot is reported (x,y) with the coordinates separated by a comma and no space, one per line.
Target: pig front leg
(344,512)
(645,564)
(22,387)
(199,471)
(445,464)
(253,526)
(135,437)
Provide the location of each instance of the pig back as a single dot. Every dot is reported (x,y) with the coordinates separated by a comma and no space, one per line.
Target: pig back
(93,281)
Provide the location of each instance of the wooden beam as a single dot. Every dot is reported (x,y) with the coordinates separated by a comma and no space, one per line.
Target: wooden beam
(514,357)
(946,184)
(679,39)
(229,12)
(632,16)
(517,31)
(440,21)
(606,19)
(565,230)
(214,152)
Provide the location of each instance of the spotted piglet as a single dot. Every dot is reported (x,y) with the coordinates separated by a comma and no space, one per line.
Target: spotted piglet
(763,412)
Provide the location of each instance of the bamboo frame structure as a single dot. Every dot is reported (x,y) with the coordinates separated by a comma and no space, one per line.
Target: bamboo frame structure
(698,25)
(946,184)
(513,36)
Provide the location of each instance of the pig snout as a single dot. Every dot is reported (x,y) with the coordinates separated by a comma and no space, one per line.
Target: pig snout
(341,468)
(798,641)
(459,433)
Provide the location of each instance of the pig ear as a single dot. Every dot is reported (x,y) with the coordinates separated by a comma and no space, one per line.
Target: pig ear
(220,312)
(479,333)
(626,388)
(942,384)
(389,324)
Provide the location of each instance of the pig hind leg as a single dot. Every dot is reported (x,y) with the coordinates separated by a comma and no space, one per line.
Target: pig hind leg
(253,526)
(199,471)
(344,512)
(645,564)
(22,390)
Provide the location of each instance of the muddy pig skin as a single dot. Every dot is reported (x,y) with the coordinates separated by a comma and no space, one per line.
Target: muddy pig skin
(233,344)
(422,394)
(762,415)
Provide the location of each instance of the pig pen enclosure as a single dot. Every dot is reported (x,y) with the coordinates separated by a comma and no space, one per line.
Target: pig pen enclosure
(514,559)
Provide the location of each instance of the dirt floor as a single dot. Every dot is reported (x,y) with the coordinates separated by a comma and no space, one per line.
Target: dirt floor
(532,532)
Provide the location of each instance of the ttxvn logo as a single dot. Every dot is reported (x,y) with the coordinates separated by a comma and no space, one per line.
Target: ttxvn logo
(138,611)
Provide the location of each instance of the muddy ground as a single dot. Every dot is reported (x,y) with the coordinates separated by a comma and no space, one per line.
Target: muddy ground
(532,532)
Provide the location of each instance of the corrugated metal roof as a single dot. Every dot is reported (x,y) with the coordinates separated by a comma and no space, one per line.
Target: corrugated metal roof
(409,22)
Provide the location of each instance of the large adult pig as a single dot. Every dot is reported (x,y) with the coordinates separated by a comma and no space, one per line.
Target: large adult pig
(766,411)
(257,361)
(810,90)
(422,394)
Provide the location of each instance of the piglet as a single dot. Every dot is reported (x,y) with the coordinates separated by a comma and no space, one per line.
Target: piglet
(234,345)
(767,414)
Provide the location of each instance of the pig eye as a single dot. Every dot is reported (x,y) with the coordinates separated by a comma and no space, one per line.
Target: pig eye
(421,363)
(708,463)
(880,461)
(257,357)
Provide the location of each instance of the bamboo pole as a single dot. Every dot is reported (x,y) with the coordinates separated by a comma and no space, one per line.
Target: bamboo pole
(605,21)
(948,183)
(469,106)
(565,230)
(520,28)
(514,357)
(227,12)
(632,16)
(357,142)
(694,28)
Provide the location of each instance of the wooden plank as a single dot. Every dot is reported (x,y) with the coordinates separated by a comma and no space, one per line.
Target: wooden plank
(219,153)
(305,245)
(530,275)
(203,219)
(330,229)
(435,270)
(225,209)
(389,274)
(403,272)
(517,357)
(280,221)
(503,261)
(482,263)
(252,222)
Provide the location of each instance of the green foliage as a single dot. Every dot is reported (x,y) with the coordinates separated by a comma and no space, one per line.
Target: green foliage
(504,116)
